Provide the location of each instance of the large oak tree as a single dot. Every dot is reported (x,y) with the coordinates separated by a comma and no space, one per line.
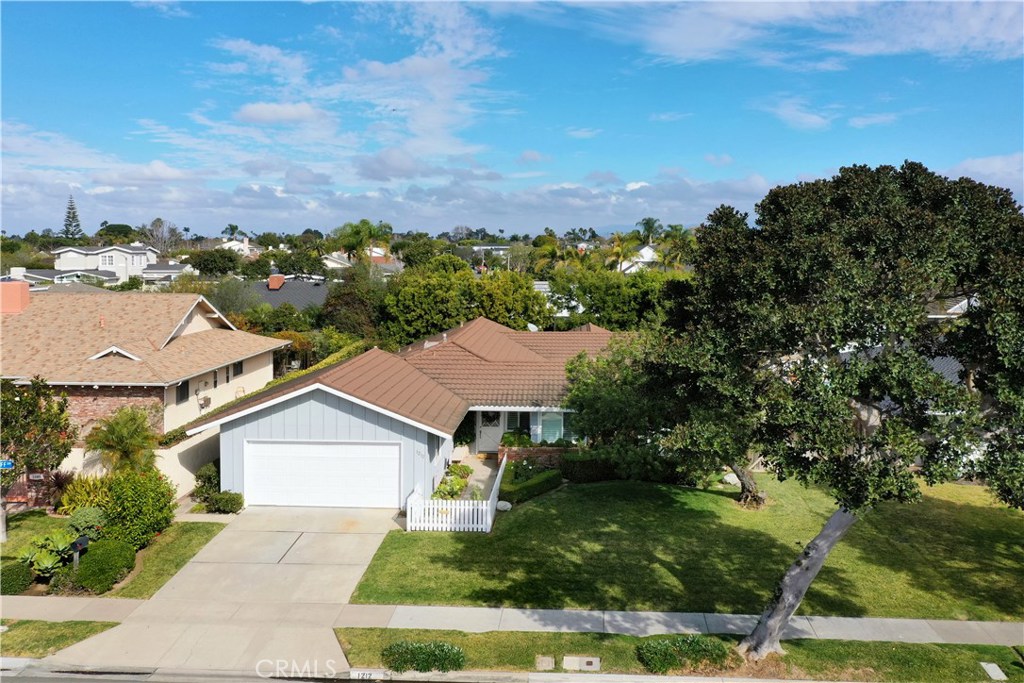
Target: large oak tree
(807,338)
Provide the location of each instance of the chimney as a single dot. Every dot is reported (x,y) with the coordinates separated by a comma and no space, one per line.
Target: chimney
(13,296)
(275,282)
(245,243)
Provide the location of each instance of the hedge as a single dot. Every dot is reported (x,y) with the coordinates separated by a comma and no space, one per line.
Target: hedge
(103,564)
(548,480)
(141,506)
(584,467)
(15,578)
(225,502)
(663,655)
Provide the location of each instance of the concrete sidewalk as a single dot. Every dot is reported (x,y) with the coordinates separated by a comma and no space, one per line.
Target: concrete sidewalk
(480,619)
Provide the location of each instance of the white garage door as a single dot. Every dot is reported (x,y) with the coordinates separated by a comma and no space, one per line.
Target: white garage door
(322,474)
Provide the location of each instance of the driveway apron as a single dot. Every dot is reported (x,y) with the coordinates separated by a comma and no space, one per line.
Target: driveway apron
(264,593)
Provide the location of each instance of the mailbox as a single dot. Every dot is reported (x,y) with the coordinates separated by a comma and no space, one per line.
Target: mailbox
(80,543)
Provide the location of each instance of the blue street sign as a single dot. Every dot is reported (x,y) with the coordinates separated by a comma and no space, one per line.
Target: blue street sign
(6,464)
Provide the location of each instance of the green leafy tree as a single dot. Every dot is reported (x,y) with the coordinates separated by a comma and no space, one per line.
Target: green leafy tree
(215,262)
(232,295)
(36,433)
(610,298)
(115,233)
(416,251)
(819,315)
(354,305)
(125,441)
(299,263)
(72,226)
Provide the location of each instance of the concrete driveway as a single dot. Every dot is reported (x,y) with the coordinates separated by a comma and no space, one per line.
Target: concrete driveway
(268,588)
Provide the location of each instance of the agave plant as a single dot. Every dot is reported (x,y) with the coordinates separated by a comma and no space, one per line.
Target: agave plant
(46,554)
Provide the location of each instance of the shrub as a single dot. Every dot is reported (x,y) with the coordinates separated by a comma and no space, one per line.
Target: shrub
(48,553)
(168,439)
(519,471)
(59,482)
(207,483)
(85,492)
(15,578)
(141,506)
(228,502)
(103,564)
(662,655)
(87,522)
(584,467)
(457,469)
(516,439)
(517,492)
(435,655)
(450,488)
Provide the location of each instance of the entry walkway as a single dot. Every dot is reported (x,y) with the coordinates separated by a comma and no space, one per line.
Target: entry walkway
(481,619)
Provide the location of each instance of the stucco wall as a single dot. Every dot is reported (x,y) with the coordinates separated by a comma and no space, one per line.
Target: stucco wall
(321,416)
(180,462)
(256,372)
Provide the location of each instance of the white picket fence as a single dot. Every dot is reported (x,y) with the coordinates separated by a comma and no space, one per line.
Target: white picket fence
(427,514)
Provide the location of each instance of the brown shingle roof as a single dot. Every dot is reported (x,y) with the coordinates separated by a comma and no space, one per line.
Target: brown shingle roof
(57,334)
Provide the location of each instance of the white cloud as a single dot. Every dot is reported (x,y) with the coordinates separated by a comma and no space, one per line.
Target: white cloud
(600,178)
(796,113)
(154,172)
(718,159)
(872,120)
(630,187)
(1006,170)
(168,8)
(808,36)
(583,133)
(277,112)
(668,116)
(531,156)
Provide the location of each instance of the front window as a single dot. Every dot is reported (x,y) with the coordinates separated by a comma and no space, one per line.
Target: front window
(550,426)
(518,422)
(490,418)
(236,369)
(106,259)
(214,379)
(181,394)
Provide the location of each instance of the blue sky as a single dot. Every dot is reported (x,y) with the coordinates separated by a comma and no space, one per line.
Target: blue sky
(514,116)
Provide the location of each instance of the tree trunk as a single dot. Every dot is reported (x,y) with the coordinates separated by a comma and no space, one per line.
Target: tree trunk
(750,495)
(3,518)
(764,639)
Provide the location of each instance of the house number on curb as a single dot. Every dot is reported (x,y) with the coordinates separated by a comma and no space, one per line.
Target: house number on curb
(369,675)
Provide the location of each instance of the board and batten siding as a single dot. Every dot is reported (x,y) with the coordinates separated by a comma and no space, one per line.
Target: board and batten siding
(320,416)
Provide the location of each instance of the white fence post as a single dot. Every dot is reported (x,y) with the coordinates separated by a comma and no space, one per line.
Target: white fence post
(428,514)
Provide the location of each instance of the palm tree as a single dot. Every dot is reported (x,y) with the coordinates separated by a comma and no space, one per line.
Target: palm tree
(233,231)
(650,230)
(619,248)
(125,441)
(678,246)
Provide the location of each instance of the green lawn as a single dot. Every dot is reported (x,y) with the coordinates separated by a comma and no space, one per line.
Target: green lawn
(41,638)
(640,546)
(167,554)
(806,659)
(23,527)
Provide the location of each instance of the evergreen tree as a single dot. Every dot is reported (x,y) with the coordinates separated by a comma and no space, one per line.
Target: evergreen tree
(72,226)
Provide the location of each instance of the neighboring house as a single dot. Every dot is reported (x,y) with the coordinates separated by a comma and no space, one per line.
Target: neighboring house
(336,259)
(287,289)
(123,260)
(646,257)
(173,355)
(240,247)
(109,265)
(950,307)
(371,431)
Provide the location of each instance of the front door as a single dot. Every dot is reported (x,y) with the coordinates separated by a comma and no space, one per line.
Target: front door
(489,431)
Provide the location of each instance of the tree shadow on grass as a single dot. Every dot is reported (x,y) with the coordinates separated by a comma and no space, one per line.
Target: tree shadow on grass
(965,554)
(628,546)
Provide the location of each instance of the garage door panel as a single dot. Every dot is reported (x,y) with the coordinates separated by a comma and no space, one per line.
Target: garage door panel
(322,474)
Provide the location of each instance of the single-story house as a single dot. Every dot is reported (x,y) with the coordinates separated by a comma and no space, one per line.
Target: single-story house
(371,431)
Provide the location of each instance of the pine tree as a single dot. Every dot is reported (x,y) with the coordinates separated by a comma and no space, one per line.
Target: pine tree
(72,227)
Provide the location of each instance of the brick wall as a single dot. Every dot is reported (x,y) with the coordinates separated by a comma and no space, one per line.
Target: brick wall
(87,405)
(549,456)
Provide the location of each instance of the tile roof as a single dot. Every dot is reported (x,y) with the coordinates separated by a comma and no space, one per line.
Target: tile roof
(436,381)
(381,379)
(58,333)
